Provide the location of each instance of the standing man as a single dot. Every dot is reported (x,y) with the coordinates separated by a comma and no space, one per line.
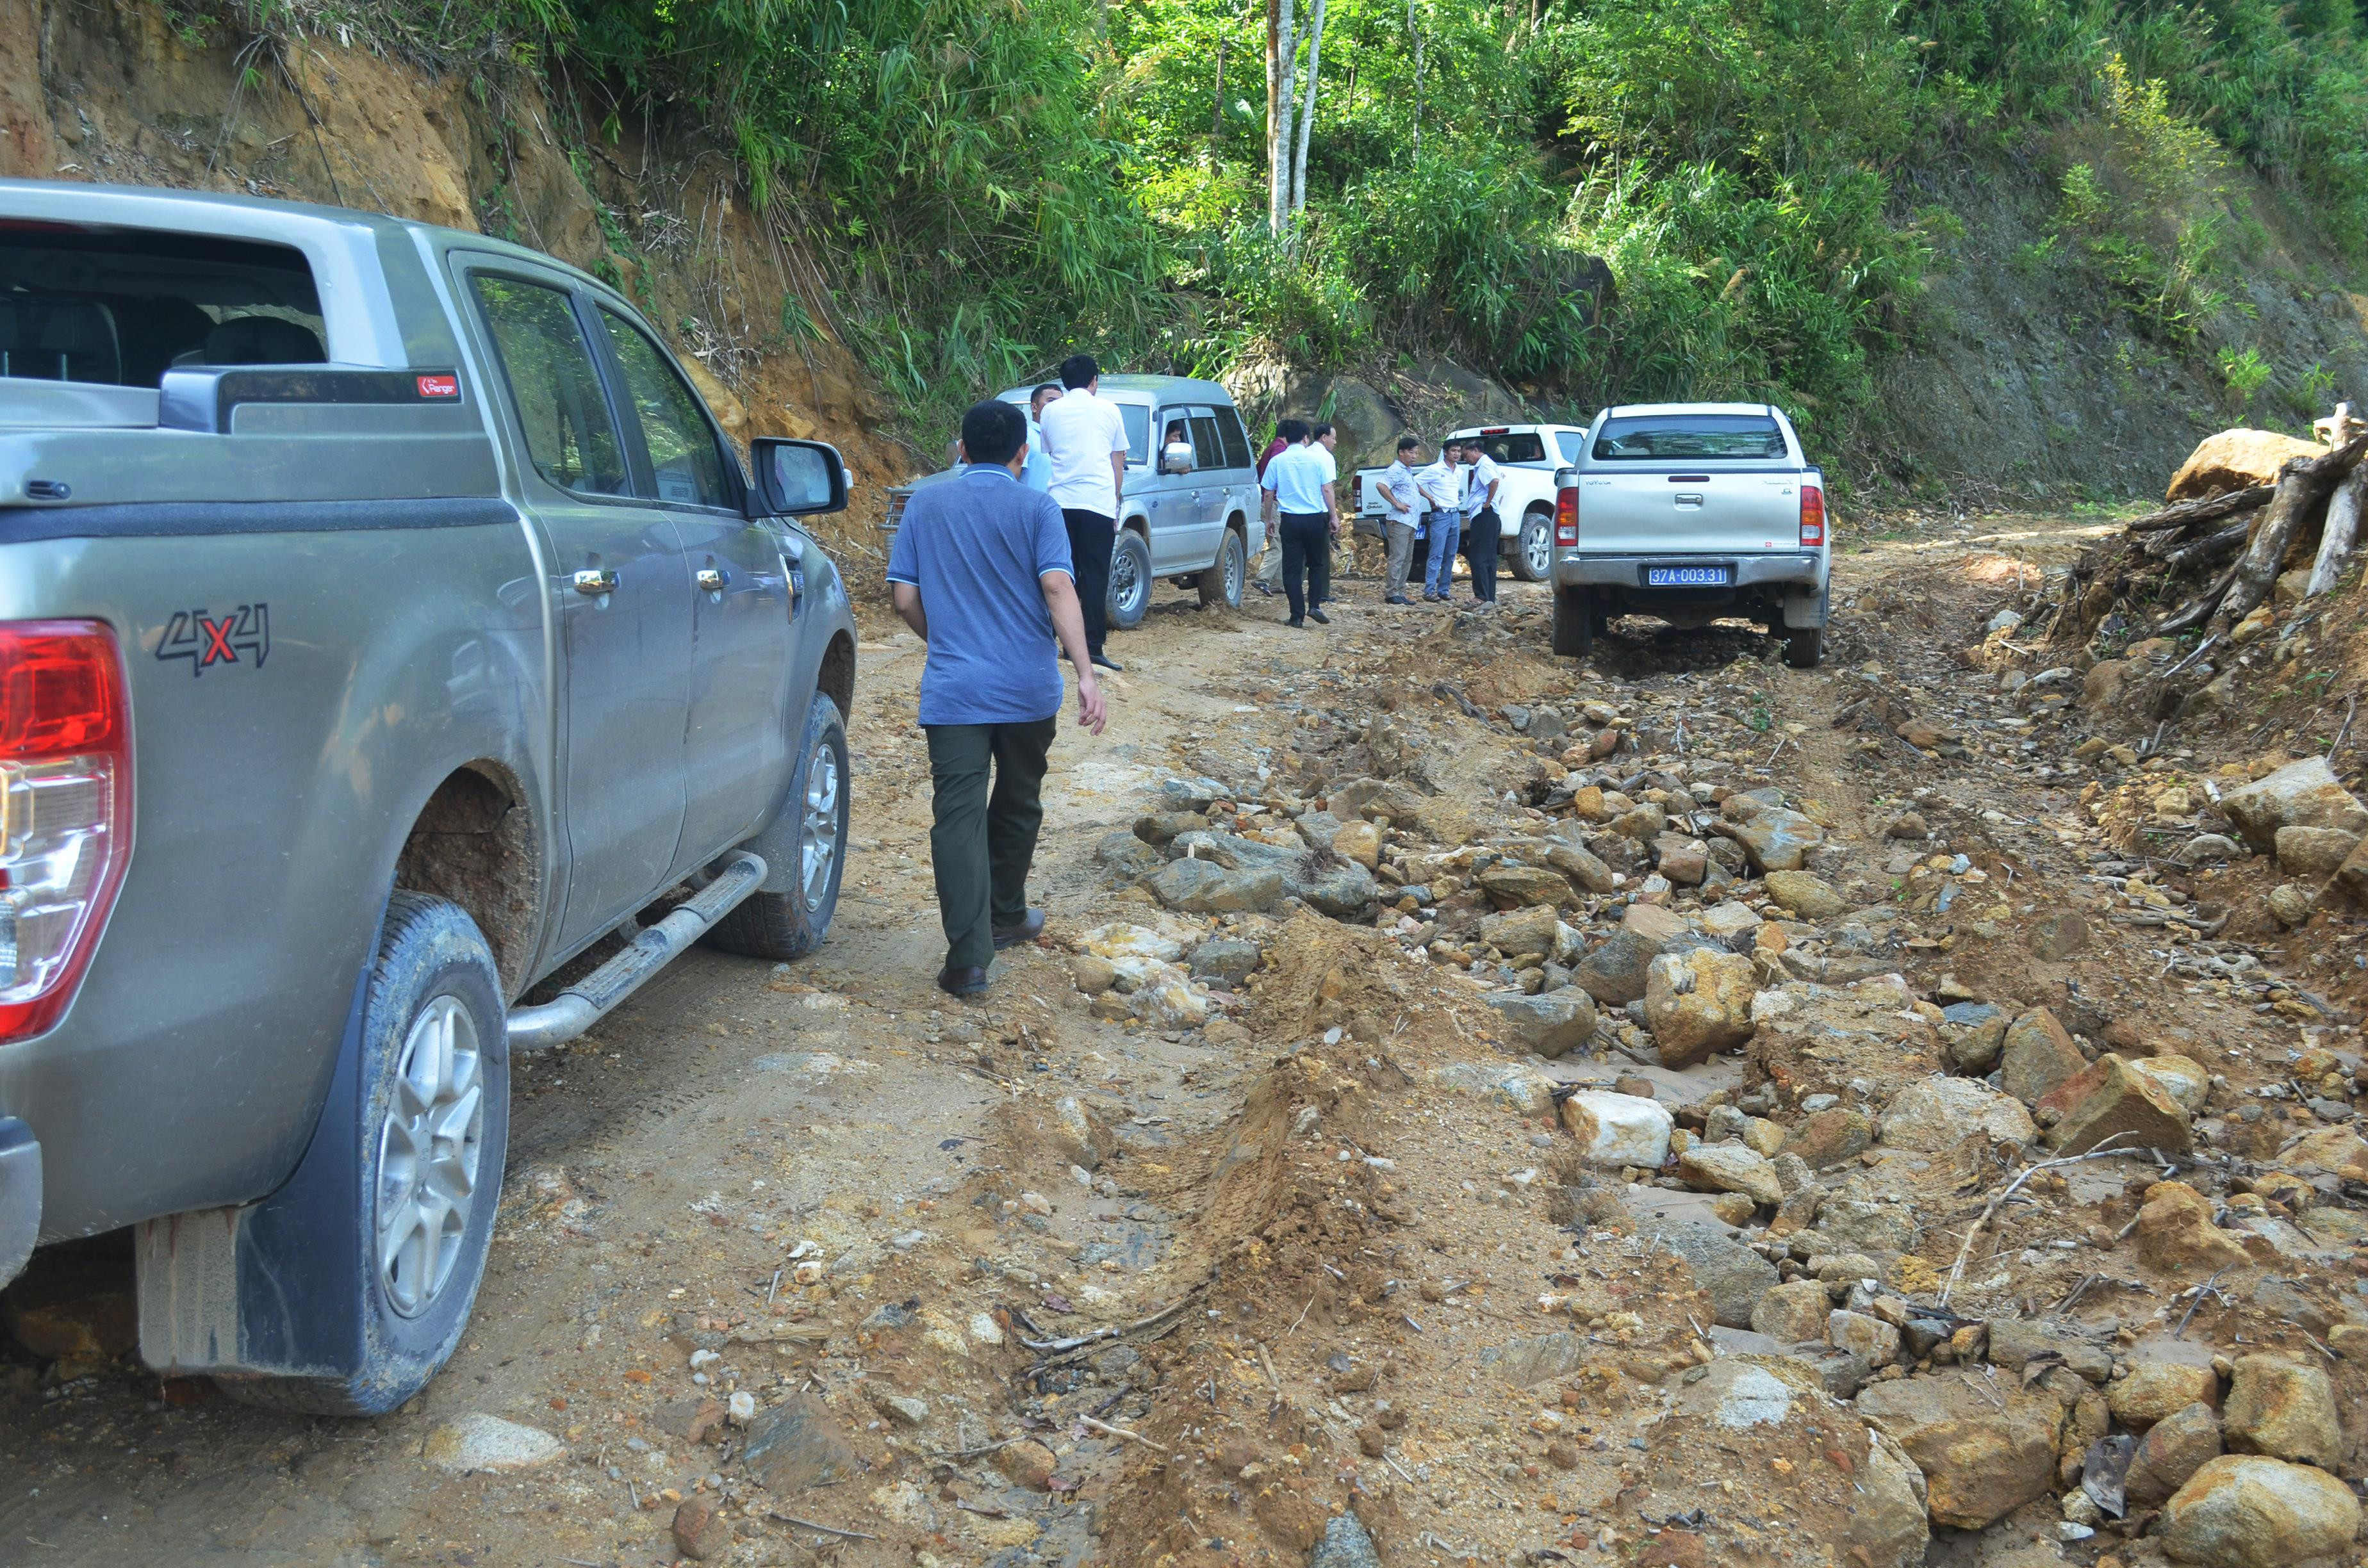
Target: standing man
(1085,437)
(1403,497)
(1038,474)
(1484,529)
(991,558)
(1442,488)
(1298,485)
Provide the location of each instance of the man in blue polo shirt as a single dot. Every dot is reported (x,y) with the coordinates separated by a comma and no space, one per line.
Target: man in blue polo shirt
(981,570)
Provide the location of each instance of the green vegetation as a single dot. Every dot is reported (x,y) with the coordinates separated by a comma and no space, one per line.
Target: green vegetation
(988,184)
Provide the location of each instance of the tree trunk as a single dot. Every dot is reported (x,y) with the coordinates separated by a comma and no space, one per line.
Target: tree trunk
(2303,484)
(2204,510)
(2342,534)
(1217,99)
(2202,552)
(1283,49)
(1307,113)
(1414,33)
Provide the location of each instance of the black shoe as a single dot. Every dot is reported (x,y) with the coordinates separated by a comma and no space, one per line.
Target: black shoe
(963,981)
(1396,599)
(1031,926)
(1104,662)
(1318,617)
(1264,588)
(1296,620)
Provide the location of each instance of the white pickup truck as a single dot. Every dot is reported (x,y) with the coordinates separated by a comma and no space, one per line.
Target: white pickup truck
(1691,512)
(1529,456)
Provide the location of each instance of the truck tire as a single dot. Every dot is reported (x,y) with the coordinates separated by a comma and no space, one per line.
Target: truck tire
(1222,582)
(791,922)
(1130,580)
(1574,623)
(1806,645)
(1533,552)
(382,1232)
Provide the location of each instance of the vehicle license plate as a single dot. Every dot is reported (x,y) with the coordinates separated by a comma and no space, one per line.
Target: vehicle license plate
(1688,577)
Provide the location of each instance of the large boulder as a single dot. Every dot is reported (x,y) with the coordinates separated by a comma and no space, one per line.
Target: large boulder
(1806,894)
(1984,1450)
(1616,1129)
(1699,1002)
(2243,1511)
(1533,928)
(2176,1231)
(2236,460)
(2173,1449)
(2037,1055)
(1934,1114)
(1510,886)
(2301,794)
(1731,1274)
(1613,971)
(1552,1023)
(1730,1167)
(2111,1102)
(1203,887)
(2314,852)
(2154,1391)
(2284,1409)
(1585,871)
(1774,838)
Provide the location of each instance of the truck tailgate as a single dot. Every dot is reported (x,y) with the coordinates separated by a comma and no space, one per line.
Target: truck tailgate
(1707,510)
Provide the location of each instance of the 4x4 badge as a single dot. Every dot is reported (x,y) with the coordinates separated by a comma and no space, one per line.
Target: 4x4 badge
(204,640)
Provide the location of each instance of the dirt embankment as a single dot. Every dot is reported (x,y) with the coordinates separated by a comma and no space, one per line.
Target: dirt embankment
(121,92)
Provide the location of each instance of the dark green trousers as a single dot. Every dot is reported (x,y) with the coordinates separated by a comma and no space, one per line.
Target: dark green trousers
(981,839)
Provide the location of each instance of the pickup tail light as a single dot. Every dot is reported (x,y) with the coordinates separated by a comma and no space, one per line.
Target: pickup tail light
(65,809)
(1813,516)
(1566,515)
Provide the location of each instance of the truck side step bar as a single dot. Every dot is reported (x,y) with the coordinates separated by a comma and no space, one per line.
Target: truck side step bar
(591,998)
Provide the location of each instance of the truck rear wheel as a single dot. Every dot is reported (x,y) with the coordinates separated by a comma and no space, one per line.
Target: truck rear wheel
(789,915)
(1574,623)
(1806,645)
(1222,582)
(1533,553)
(347,1290)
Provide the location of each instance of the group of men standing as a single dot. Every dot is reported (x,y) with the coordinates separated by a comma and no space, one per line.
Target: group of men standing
(1449,506)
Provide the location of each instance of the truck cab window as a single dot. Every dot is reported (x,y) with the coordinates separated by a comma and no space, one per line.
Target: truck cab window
(684,457)
(547,364)
(1238,445)
(1208,446)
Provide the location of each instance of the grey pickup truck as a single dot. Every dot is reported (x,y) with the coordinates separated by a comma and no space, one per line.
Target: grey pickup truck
(384,622)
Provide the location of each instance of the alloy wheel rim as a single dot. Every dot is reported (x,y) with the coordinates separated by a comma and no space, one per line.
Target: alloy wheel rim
(1540,554)
(427,1156)
(1124,579)
(818,834)
(1232,570)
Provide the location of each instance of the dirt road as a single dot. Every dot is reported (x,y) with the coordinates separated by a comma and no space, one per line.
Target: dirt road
(1327,1249)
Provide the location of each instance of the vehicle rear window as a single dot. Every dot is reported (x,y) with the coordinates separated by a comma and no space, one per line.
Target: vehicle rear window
(120,307)
(1515,447)
(1238,445)
(1643,436)
(1571,443)
(1138,431)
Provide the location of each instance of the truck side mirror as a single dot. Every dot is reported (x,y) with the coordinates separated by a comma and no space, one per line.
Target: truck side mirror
(796,479)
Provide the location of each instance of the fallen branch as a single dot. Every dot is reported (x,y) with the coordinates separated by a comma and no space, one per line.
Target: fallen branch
(2198,610)
(1957,1269)
(2302,486)
(2341,533)
(2199,552)
(826,1529)
(1107,1430)
(2205,509)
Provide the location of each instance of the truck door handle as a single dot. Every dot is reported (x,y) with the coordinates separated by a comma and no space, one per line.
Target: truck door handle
(597,580)
(710,580)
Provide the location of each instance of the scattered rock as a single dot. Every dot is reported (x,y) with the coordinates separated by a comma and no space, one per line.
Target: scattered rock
(2315,852)
(2301,794)
(1810,897)
(1345,1545)
(797,1445)
(1794,1312)
(1976,1050)
(2183,1078)
(1733,1275)
(1586,872)
(2058,936)
(1127,856)
(478,1441)
(1359,842)
(1225,960)
(2175,1231)
(2172,1450)
(1935,1114)
(1829,1137)
(1614,972)
(2037,1055)
(1615,1130)
(1730,1167)
(1513,886)
(700,1530)
(2290,905)
(2156,1389)
(1203,887)
(1552,1023)
(1525,1089)
(1773,839)
(2284,1409)
(2110,1101)
(1871,1339)
(1093,976)
(2243,1511)
(1535,929)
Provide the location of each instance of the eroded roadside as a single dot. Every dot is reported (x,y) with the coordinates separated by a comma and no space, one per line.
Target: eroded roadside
(1243,1207)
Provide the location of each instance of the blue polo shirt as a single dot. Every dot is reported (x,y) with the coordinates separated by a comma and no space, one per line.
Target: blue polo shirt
(975,545)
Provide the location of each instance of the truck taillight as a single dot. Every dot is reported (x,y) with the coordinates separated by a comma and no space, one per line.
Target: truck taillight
(1813,516)
(65,809)
(1566,515)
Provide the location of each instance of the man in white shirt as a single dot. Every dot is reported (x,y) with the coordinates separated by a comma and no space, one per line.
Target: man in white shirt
(1085,436)
(1298,485)
(1403,519)
(1442,488)
(1483,527)
(1037,472)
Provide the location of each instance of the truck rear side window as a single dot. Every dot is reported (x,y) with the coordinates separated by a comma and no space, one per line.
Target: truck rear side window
(120,307)
(1643,437)
(569,436)
(683,454)
(1238,445)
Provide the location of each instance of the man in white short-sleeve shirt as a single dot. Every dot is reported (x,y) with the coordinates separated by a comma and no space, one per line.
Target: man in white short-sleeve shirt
(1299,494)
(1085,437)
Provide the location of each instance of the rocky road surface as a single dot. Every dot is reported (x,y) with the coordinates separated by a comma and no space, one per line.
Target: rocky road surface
(1468,1108)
